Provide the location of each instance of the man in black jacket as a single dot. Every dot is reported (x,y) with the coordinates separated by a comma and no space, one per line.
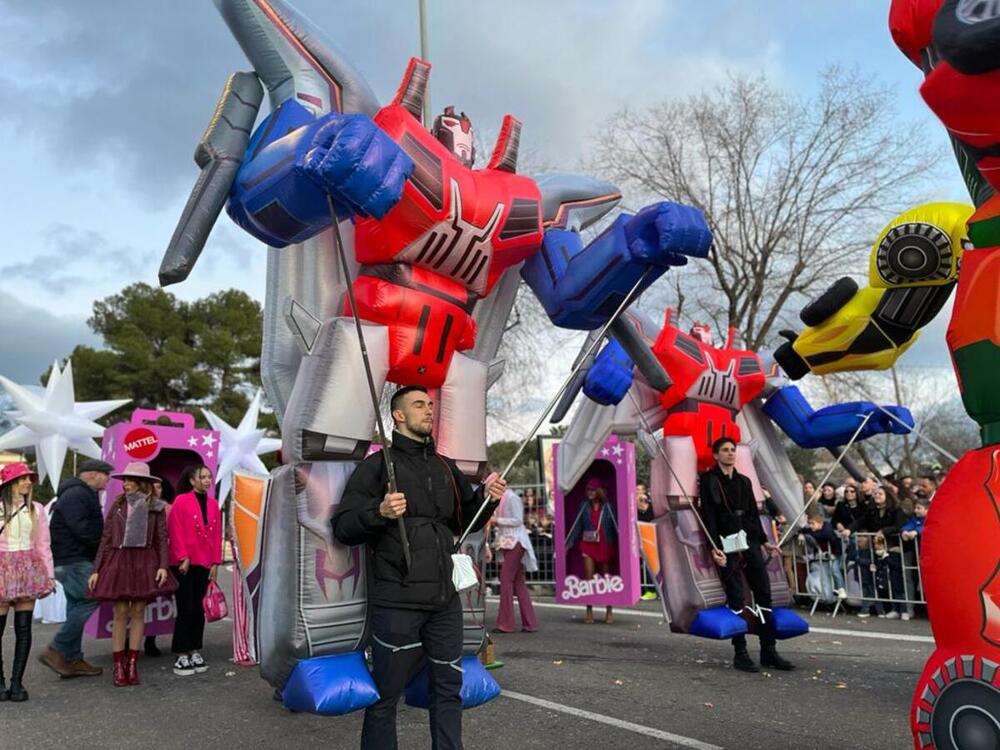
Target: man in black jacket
(728,507)
(415,610)
(75,528)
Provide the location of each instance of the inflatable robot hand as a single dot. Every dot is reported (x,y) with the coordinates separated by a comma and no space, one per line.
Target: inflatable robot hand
(833,425)
(912,271)
(610,377)
(280,192)
(581,287)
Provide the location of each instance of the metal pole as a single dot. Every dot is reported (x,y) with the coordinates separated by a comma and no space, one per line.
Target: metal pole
(423,56)
(629,298)
(819,486)
(376,405)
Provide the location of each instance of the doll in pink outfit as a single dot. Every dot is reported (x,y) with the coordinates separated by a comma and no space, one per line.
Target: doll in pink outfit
(26,570)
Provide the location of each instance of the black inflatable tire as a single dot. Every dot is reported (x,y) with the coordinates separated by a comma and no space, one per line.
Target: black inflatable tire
(970,47)
(794,366)
(834,298)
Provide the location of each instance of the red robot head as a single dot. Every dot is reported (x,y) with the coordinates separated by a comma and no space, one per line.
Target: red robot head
(702,332)
(455,132)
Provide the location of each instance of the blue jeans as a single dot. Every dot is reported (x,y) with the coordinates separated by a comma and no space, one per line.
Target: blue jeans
(73,577)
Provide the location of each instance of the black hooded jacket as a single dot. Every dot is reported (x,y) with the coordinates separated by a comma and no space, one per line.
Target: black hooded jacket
(440,502)
(77,523)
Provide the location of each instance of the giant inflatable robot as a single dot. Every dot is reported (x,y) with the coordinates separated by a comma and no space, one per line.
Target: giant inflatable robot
(956,703)
(435,248)
(710,391)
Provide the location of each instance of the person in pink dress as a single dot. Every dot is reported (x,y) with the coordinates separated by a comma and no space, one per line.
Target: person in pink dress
(26,570)
(596,531)
(515,546)
(131,565)
(195,524)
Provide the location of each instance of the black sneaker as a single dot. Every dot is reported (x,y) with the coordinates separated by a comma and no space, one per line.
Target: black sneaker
(183,666)
(743,662)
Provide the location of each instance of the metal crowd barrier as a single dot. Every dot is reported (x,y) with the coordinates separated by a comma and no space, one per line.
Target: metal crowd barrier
(872,574)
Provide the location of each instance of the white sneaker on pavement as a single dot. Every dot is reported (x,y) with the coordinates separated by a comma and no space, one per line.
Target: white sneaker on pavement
(894,615)
(906,616)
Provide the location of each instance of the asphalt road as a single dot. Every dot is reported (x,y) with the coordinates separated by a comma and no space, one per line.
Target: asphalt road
(652,688)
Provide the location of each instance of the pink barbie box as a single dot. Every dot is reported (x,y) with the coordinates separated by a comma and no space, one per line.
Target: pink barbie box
(613,470)
(169,442)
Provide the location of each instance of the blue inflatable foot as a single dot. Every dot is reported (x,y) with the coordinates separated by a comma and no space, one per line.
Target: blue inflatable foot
(787,624)
(478,685)
(719,623)
(330,685)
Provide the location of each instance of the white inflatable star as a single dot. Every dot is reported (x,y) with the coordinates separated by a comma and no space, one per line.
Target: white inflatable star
(240,447)
(52,421)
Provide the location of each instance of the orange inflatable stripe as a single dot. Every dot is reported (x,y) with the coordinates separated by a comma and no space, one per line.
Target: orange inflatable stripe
(647,537)
(248,501)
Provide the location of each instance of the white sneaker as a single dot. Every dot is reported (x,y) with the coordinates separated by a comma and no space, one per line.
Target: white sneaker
(894,615)
(881,615)
(906,617)
(198,663)
(841,593)
(864,614)
(183,666)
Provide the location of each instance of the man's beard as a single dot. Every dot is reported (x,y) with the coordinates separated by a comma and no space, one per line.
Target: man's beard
(424,429)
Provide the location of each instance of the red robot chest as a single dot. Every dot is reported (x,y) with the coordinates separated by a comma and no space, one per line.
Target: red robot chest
(700,373)
(466,225)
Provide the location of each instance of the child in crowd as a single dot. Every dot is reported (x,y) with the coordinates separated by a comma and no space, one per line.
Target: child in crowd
(131,568)
(827,541)
(910,533)
(26,570)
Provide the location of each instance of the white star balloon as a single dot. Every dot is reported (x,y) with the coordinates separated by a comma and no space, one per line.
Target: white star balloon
(240,447)
(52,421)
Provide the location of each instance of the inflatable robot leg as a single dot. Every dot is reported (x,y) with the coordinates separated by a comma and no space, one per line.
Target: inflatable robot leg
(330,414)
(956,703)
(460,432)
(313,594)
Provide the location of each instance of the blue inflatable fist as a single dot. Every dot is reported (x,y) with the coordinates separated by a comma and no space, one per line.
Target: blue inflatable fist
(610,377)
(581,287)
(667,234)
(294,164)
(357,162)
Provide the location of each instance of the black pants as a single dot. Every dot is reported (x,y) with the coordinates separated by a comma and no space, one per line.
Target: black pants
(393,664)
(752,563)
(190,626)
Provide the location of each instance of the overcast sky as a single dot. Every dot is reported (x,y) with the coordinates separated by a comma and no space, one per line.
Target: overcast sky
(102,103)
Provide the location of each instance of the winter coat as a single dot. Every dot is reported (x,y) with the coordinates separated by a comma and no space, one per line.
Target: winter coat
(113,536)
(190,536)
(826,539)
(440,502)
(845,515)
(724,517)
(883,519)
(77,523)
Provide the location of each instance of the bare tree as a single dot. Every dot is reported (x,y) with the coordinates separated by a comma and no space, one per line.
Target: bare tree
(794,189)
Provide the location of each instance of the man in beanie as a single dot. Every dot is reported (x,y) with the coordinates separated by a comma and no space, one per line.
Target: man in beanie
(75,528)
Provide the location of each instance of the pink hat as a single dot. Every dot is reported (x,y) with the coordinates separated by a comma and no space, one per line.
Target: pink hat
(16,470)
(594,484)
(136,470)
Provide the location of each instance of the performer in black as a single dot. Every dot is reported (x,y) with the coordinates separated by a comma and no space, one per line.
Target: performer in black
(728,507)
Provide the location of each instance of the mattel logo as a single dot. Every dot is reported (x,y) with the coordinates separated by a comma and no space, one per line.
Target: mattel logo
(596,586)
(141,443)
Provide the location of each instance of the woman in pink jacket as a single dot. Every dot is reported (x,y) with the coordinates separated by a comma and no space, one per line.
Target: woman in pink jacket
(26,571)
(195,526)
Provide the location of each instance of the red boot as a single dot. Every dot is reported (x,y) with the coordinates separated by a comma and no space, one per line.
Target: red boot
(121,679)
(132,671)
